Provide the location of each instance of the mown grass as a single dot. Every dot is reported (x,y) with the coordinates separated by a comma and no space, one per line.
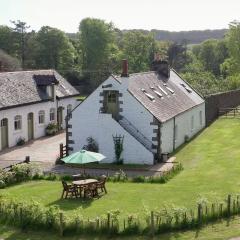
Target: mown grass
(211,170)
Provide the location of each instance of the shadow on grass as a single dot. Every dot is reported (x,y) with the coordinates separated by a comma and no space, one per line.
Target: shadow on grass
(72,203)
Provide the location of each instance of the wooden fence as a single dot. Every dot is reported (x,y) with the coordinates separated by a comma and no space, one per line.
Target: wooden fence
(229,112)
(9,167)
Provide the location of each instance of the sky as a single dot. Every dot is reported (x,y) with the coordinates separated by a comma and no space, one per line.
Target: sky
(172,15)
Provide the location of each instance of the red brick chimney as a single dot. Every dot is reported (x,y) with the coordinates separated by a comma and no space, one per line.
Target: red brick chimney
(124,68)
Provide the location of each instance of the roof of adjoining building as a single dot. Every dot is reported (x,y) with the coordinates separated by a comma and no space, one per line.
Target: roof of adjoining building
(163,97)
(24,87)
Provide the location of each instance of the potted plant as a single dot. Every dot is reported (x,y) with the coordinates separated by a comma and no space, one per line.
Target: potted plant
(51,129)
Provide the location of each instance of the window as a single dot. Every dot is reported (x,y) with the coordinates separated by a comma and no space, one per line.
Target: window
(192,123)
(175,132)
(41,117)
(200,118)
(52,114)
(18,122)
(69,109)
(112,97)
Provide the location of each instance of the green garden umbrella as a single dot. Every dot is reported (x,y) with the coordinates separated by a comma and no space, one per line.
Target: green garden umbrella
(83,157)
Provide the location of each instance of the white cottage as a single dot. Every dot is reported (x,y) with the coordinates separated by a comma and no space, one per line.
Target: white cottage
(29,101)
(155,111)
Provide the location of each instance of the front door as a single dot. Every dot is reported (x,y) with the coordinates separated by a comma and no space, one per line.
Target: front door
(4,133)
(60,117)
(30,127)
(112,104)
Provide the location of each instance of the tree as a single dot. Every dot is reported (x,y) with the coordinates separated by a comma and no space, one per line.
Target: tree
(8,63)
(6,40)
(177,56)
(98,48)
(212,53)
(232,65)
(54,50)
(21,32)
(139,49)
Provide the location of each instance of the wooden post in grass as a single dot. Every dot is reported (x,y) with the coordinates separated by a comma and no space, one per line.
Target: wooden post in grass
(221,209)
(21,217)
(108,221)
(152,223)
(61,150)
(61,227)
(199,216)
(27,159)
(229,205)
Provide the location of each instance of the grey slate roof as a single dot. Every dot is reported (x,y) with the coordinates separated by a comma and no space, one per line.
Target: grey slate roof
(168,106)
(17,88)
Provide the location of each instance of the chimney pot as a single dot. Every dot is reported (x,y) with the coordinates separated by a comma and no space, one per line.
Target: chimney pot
(124,68)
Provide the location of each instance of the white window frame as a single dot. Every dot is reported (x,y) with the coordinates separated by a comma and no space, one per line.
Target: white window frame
(17,122)
(41,117)
(200,118)
(192,123)
(176,132)
(52,114)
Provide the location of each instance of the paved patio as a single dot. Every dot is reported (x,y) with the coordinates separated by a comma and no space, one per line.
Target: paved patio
(44,150)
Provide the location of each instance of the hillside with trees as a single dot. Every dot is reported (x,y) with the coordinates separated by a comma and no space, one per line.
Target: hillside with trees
(86,58)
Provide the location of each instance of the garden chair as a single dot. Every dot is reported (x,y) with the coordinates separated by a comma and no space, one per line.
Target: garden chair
(90,190)
(70,190)
(101,184)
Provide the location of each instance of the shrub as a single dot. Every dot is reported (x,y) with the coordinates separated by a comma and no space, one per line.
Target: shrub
(92,145)
(24,171)
(20,141)
(51,129)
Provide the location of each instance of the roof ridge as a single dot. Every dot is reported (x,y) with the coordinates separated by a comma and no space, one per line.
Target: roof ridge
(36,70)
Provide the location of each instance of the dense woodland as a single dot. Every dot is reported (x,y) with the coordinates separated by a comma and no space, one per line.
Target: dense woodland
(95,51)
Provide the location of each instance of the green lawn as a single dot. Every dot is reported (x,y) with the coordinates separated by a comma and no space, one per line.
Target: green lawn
(211,169)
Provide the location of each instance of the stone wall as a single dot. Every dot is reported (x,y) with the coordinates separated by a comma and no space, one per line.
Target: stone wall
(220,100)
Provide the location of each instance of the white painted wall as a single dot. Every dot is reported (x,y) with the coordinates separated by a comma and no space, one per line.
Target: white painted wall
(87,121)
(39,129)
(183,123)
(102,127)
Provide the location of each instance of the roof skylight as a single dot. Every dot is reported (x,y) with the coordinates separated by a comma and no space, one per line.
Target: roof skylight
(187,88)
(170,90)
(162,90)
(152,98)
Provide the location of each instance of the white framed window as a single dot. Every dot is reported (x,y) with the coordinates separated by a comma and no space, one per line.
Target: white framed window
(41,117)
(18,122)
(175,132)
(52,114)
(192,123)
(200,118)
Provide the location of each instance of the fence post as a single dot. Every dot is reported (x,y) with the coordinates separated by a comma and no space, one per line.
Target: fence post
(27,159)
(61,228)
(152,223)
(199,217)
(229,205)
(108,221)
(61,150)
(21,217)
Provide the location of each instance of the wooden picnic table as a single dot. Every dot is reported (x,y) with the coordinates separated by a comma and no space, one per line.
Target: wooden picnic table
(84,182)
(85,187)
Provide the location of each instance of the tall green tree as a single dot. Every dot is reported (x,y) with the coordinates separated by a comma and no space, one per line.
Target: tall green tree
(212,53)
(98,49)
(20,29)
(54,50)
(6,40)
(139,49)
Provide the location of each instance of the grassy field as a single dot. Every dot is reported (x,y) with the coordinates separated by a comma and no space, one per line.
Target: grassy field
(219,231)
(211,170)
